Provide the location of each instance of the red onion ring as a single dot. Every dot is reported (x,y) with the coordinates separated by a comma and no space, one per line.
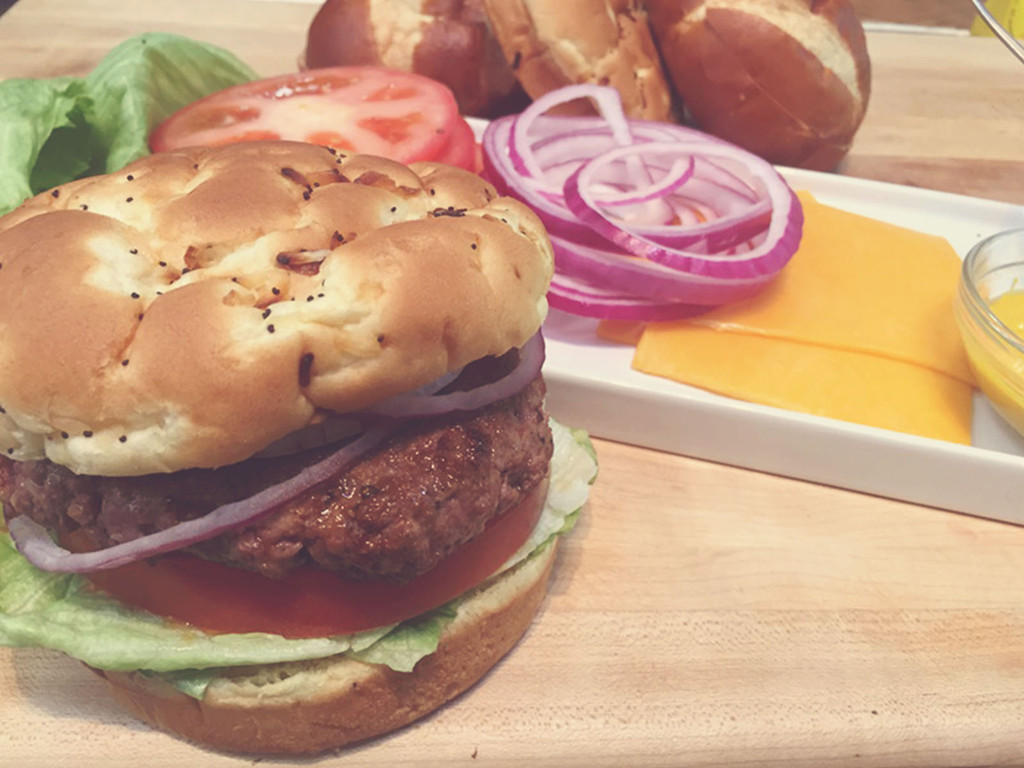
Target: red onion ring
(561,146)
(574,297)
(38,548)
(634,230)
(418,403)
(641,280)
(607,100)
(776,247)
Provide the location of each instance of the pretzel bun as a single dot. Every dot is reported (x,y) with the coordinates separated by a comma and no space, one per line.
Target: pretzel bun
(310,707)
(786,79)
(237,294)
(554,44)
(448,41)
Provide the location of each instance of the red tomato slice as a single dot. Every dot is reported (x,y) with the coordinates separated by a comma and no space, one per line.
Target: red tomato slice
(371,110)
(311,602)
(461,148)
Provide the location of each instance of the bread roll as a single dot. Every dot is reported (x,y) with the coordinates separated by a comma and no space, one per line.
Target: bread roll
(235,294)
(447,40)
(786,79)
(608,42)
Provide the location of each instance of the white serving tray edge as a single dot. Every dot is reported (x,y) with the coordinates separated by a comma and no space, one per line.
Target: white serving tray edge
(591,385)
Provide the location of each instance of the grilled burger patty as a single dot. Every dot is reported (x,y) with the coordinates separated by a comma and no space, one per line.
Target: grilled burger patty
(392,514)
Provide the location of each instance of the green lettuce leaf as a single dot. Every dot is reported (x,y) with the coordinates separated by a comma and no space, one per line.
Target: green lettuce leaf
(30,111)
(55,130)
(410,641)
(41,609)
(146,79)
(61,612)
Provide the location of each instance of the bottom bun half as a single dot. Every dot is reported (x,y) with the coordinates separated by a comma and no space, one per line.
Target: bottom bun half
(315,706)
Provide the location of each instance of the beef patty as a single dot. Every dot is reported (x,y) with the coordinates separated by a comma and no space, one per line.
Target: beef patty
(392,514)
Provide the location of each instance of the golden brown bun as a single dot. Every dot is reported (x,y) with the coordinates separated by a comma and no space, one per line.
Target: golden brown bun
(156,318)
(787,79)
(311,707)
(556,43)
(447,40)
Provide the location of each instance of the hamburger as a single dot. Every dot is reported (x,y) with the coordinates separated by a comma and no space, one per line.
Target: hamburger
(274,459)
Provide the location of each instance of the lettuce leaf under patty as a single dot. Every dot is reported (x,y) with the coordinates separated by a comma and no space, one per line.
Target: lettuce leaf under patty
(55,130)
(62,612)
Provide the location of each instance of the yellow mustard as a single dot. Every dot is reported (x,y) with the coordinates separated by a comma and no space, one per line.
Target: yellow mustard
(1004,385)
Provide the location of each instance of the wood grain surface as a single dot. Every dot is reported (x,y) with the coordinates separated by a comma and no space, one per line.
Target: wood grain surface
(953,14)
(700,615)
(946,112)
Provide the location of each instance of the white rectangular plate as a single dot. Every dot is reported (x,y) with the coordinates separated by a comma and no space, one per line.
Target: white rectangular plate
(591,384)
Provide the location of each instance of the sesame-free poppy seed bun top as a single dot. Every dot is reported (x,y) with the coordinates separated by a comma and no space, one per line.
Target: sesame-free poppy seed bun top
(199,305)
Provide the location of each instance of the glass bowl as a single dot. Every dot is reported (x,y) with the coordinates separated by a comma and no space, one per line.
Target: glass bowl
(993,272)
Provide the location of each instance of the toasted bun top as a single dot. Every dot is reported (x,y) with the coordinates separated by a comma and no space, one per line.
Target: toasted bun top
(554,44)
(198,305)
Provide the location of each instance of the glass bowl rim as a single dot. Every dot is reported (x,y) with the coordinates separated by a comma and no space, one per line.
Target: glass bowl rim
(975,304)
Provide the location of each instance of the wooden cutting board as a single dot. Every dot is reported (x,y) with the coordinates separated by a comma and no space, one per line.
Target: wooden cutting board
(700,615)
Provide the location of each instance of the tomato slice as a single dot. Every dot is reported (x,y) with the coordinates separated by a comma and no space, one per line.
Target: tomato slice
(310,602)
(371,110)
(461,148)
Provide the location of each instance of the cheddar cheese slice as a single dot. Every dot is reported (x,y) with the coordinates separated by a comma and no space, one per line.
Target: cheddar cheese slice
(840,384)
(858,327)
(860,284)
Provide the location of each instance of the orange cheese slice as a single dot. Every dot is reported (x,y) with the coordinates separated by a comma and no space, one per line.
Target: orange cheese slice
(836,383)
(859,327)
(860,284)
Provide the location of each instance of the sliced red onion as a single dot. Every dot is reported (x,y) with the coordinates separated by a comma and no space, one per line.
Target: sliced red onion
(561,145)
(643,279)
(499,170)
(778,245)
(706,230)
(612,193)
(35,543)
(608,103)
(414,404)
(630,227)
(569,295)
